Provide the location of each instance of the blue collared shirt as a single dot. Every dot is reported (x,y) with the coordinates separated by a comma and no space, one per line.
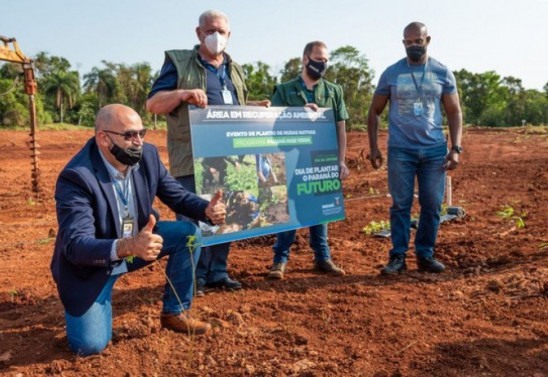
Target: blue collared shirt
(123,183)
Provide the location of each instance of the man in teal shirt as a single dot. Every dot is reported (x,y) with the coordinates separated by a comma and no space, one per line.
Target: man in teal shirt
(311,90)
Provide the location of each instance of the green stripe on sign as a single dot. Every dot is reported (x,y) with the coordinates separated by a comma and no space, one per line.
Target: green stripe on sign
(254,142)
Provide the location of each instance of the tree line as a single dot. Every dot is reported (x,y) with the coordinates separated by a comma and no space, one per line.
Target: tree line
(487,99)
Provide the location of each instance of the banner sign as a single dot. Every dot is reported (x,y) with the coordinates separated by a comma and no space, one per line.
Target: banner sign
(278,168)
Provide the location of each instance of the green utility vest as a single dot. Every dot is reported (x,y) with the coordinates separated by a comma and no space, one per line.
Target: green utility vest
(326,94)
(191,74)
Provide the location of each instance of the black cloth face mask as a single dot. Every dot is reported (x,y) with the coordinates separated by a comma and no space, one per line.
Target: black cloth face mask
(129,156)
(415,53)
(315,69)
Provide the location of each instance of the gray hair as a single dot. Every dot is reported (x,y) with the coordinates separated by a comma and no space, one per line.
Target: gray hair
(212,14)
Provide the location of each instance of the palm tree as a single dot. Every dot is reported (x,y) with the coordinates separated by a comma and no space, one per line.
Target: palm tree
(142,75)
(102,82)
(65,86)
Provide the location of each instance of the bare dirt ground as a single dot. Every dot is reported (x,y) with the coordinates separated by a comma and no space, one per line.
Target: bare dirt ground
(486,316)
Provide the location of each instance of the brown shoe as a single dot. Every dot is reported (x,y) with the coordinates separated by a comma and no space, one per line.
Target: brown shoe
(277,271)
(183,323)
(328,267)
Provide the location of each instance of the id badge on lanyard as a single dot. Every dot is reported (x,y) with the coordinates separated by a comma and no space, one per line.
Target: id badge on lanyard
(418,108)
(127,227)
(227,96)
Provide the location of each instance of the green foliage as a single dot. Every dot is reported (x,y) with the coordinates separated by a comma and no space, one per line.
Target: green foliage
(508,212)
(121,83)
(443,210)
(291,69)
(191,243)
(260,83)
(375,227)
(486,98)
(489,100)
(244,177)
(86,109)
(64,88)
(350,69)
(14,103)
(102,83)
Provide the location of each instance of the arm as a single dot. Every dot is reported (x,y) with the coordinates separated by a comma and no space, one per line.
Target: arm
(165,101)
(341,139)
(373,119)
(454,119)
(164,97)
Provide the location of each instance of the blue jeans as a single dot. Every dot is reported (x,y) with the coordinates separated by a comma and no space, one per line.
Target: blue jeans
(90,333)
(427,164)
(318,243)
(213,264)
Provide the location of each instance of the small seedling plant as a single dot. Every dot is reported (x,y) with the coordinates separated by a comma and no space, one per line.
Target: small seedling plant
(192,244)
(375,227)
(508,213)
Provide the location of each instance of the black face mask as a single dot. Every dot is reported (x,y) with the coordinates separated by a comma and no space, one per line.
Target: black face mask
(129,156)
(415,53)
(315,70)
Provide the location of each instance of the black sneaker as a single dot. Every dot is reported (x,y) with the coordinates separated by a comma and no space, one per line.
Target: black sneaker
(226,284)
(395,265)
(200,290)
(430,265)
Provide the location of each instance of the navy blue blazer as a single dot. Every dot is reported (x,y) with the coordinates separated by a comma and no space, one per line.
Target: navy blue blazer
(88,219)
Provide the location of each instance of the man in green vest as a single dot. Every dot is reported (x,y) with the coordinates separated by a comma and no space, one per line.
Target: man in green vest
(311,90)
(205,75)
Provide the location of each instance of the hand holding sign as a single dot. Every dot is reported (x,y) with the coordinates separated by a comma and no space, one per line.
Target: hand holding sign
(216,210)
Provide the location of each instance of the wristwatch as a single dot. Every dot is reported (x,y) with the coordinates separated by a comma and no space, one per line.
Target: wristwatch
(457,148)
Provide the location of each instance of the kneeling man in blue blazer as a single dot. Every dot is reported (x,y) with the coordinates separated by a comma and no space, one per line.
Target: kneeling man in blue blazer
(107,227)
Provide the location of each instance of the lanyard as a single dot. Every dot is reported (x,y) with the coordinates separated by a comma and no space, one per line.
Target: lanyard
(220,72)
(123,193)
(418,87)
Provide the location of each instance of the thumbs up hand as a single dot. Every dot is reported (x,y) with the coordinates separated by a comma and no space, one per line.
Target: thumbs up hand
(216,210)
(145,245)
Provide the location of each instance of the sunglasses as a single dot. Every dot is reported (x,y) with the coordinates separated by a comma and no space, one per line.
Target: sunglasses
(129,135)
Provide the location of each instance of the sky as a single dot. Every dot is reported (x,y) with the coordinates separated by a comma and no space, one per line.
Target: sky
(506,36)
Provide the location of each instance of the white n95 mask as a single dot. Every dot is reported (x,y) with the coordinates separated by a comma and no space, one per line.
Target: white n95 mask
(215,43)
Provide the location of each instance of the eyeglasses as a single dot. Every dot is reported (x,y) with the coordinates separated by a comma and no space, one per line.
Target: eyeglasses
(129,135)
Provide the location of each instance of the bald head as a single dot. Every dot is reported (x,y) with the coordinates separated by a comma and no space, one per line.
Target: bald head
(416,41)
(116,117)
(119,129)
(415,27)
